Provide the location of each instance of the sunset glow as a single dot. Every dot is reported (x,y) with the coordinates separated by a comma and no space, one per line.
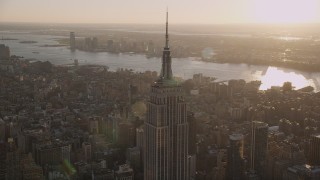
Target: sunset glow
(285,11)
(276,77)
(143,11)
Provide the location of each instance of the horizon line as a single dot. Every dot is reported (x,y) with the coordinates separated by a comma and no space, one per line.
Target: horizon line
(131,23)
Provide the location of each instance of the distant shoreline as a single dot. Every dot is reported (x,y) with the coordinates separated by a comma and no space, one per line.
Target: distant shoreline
(224,56)
(28,42)
(304,67)
(220,58)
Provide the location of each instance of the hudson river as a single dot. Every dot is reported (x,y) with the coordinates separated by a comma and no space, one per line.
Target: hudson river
(183,67)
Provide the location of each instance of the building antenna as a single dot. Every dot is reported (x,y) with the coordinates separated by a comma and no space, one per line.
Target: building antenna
(167,35)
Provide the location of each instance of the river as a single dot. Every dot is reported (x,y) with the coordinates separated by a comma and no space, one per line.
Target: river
(182,67)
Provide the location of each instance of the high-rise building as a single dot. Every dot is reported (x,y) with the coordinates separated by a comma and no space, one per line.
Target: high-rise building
(94,42)
(314,156)
(259,145)
(192,133)
(166,126)
(86,147)
(51,153)
(4,52)
(125,172)
(140,144)
(134,158)
(2,131)
(126,134)
(111,127)
(12,161)
(94,125)
(192,166)
(302,172)
(251,175)
(235,162)
(29,168)
(140,137)
(221,164)
(3,157)
(72,41)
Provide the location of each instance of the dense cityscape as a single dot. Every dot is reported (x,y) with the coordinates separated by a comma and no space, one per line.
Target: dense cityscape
(84,121)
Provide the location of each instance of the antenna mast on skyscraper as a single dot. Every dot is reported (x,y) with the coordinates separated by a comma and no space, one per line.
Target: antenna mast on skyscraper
(167,35)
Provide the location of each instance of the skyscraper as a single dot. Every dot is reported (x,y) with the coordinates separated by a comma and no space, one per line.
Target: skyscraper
(12,161)
(192,133)
(314,156)
(125,172)
(259,145)
(166,126)
(3,163)
(72,41)
(235,157)
(87,153)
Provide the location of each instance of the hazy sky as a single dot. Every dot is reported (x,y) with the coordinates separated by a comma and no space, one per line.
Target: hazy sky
(153,11)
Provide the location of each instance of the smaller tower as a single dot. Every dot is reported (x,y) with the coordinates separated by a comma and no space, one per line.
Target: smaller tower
(72,41)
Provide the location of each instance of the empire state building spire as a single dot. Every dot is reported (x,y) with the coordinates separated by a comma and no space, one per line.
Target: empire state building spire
(166,71)
(167,36)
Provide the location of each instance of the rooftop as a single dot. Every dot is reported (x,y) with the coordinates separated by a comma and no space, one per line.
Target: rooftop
(236,137)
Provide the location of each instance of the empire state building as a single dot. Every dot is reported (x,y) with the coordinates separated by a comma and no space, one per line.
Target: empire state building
(166,126)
